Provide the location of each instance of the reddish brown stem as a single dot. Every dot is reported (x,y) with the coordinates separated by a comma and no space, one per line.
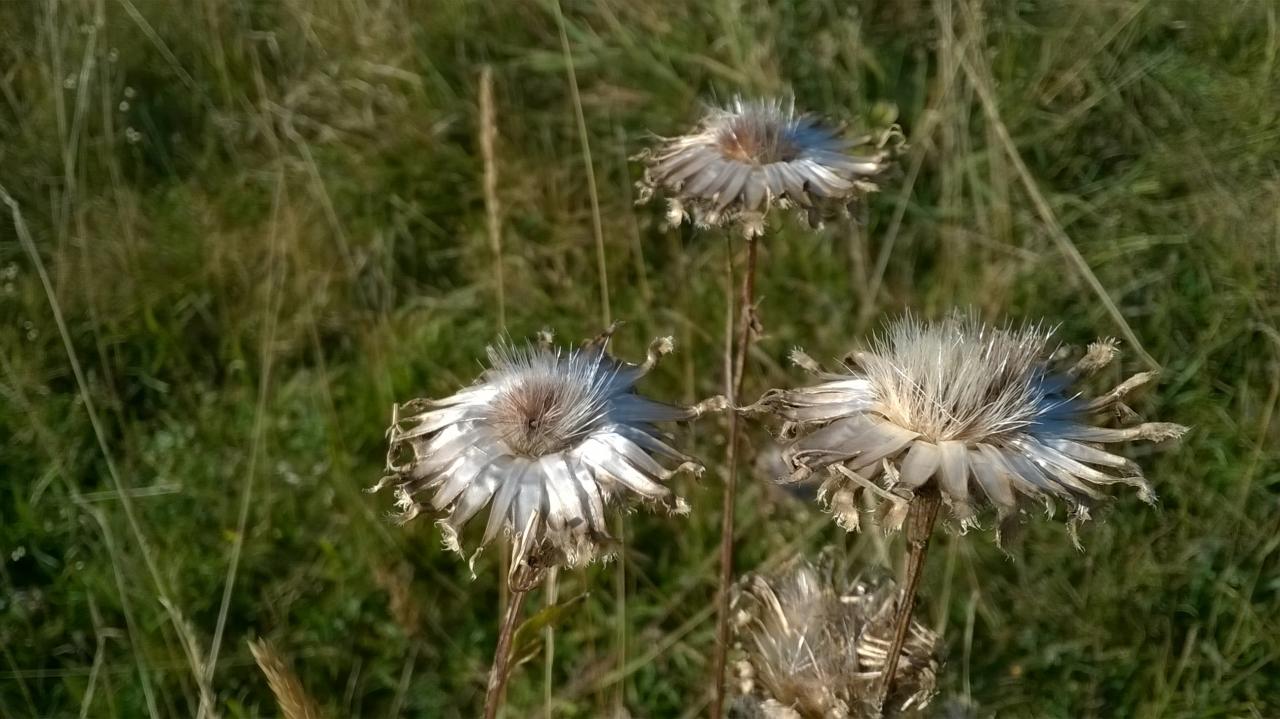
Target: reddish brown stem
(920,521)
(733,388)
(747,318)
(500,670)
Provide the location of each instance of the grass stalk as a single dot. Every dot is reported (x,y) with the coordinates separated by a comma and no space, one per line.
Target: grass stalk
(991,109)
(620,614)
(271,310)
(492,209)
(549,645)
(597,224)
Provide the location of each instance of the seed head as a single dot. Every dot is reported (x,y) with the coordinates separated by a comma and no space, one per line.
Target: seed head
(815,642)
(977,412)
(549,439)
(754,155)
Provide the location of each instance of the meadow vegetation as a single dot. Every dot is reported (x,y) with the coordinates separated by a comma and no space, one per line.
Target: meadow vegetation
(262,222)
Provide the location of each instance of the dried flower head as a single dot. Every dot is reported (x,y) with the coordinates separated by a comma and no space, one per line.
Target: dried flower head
(549,439)
(970,410)
(754,155)
(815,643)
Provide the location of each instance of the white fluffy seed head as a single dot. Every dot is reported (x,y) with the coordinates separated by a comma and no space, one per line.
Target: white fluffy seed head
(546,401)
(960,379)
(759,132)
(974,412)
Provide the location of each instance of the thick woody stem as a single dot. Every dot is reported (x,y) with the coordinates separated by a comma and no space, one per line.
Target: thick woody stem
(746,326)
(920,521)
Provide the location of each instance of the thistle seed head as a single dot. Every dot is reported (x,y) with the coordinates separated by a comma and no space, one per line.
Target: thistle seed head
(815,641)
(975,411)
(549,440)
(961,380)
(752,156)
(545,402)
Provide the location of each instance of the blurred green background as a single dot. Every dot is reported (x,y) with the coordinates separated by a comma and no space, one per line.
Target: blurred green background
(263,222)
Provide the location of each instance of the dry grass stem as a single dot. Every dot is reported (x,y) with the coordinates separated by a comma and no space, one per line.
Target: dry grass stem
(492,208)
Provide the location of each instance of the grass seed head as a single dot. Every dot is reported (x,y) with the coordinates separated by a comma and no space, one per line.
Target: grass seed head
(290,694)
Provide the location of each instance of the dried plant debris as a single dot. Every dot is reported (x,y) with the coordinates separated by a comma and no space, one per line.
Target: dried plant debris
(813,645)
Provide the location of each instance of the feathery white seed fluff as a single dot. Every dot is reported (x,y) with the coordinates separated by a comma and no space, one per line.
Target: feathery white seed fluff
(973,411)
(546,401)
(960,379)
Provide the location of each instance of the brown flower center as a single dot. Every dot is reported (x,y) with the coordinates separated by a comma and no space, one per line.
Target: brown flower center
(755,142)
(533,417)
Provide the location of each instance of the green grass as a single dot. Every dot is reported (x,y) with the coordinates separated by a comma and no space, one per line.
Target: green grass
(263,222)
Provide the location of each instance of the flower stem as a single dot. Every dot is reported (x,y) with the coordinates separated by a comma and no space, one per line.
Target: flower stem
(736,369)
(502,653)
(747,318)
(920,520)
